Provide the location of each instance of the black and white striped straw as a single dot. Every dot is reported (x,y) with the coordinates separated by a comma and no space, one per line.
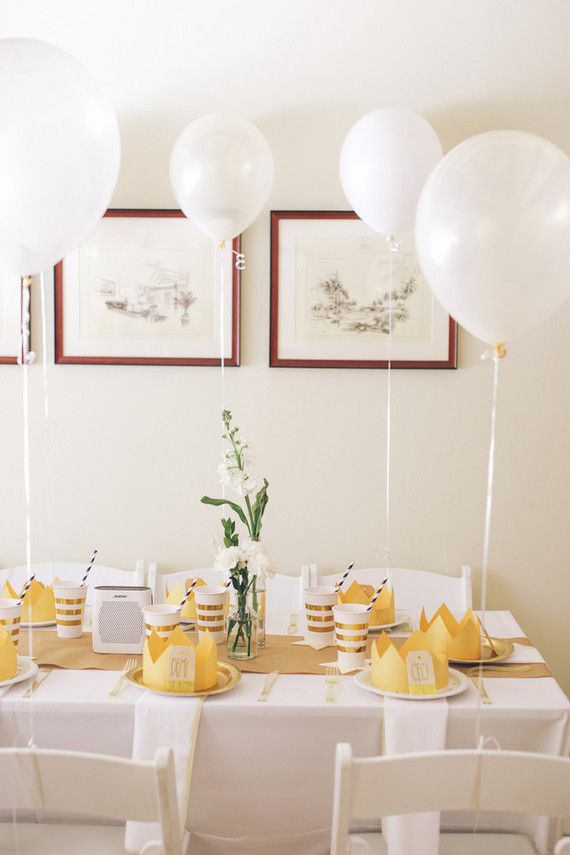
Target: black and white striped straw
(344,577)
(376,595)
(227,584)
(88,571)
(188,592)
(25,588)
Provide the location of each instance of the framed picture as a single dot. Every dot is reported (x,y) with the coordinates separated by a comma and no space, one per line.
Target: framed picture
(147,288)
(11,294)
(331,301)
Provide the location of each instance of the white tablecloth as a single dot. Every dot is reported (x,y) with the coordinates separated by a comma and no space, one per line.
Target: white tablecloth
(263,773)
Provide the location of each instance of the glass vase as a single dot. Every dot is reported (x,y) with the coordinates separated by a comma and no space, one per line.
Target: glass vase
(258,602)
(242,629)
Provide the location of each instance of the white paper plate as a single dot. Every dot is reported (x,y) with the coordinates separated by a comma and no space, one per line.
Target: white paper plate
(26,669)
(458,682)
(401,617)
(37,624)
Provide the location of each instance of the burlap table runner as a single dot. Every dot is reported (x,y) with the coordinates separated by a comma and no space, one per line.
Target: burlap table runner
(279,654)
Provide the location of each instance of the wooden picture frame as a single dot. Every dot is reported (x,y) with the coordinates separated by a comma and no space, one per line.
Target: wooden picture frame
(333,256)
(136,284)
(11,319)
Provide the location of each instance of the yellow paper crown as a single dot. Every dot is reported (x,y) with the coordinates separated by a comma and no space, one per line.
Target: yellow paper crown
(39,602)
(175,595)
(460,639)
(165,662)
(390,668)
(384,610)
(8,656)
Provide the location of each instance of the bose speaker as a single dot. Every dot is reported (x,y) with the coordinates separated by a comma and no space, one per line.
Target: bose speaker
(118,622)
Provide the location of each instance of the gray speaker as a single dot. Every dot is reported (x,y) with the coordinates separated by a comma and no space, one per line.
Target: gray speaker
(118,622)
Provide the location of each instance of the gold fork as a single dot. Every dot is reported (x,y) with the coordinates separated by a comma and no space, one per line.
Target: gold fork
(331,679)
(264,694)
(129,665)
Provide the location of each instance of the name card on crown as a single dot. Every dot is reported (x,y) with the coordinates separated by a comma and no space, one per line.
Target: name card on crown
(175,664)
(175,595)
(415,668)
(384,609)
(39,602)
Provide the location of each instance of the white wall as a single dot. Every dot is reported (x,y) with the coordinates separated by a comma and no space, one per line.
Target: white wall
(132,449)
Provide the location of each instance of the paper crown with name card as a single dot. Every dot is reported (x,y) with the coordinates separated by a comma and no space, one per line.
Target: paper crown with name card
(175,595)
(415,668)
(8,656)
(384,610)
(176,664)
(39,602)
(460,639)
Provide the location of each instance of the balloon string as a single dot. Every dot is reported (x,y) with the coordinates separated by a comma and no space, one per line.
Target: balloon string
(392,247)
(222,251)
(26,361)
(497,356)
(49,473)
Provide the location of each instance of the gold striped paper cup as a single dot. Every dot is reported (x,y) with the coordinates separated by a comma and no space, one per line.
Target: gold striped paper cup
(351,621)
(211,611)
(10,616)
(319,618)
(69,608)
(161,618)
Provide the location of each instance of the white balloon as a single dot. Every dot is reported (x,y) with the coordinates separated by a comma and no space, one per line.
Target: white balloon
(59,154)
(221,171)
(493,233)
(385,160)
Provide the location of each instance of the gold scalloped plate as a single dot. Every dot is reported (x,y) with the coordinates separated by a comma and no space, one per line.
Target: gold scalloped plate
(503,649)
(228,677)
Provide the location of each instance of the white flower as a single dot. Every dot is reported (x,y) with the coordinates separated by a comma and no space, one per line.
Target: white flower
(244,483)
(227,559)
(258,557)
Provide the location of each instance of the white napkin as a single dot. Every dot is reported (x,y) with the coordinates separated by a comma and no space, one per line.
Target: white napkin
(169,722)
(411,726)
(316,645)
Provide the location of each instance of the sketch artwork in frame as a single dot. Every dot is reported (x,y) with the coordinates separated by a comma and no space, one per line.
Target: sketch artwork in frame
(332,304)
(11,295)
(148,288)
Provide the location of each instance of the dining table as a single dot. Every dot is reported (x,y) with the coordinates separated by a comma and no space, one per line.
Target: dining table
(263,771)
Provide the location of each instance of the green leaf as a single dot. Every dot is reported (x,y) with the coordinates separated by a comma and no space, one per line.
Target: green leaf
(206,500)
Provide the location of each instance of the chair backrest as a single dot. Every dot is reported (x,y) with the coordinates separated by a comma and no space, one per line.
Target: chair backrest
(286,592)
(416,589)
(99,575)
(93,785)
(511,781)
(283,591)
(157,582)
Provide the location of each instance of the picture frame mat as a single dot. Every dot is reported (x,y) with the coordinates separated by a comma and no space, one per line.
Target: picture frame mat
(292,232)
(118,232)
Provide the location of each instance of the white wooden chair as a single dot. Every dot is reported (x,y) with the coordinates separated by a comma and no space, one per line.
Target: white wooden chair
(510,781)
(99,575)
(286,592)
(416,589)
(81,785)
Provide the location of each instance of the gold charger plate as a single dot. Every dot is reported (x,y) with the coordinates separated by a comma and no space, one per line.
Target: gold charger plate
(503,649)
(228,677)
